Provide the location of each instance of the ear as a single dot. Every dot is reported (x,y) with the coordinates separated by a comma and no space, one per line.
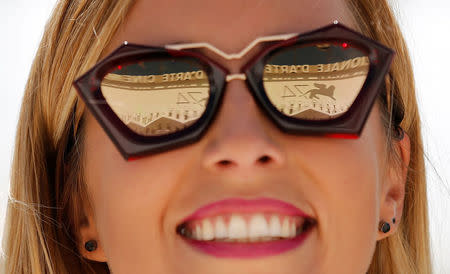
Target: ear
(88,231)
(393,189)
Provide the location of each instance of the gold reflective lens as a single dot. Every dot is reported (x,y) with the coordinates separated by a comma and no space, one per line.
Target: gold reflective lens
(157,97)
(315,81)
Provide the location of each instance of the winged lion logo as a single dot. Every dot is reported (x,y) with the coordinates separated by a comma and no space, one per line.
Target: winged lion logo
(321,89)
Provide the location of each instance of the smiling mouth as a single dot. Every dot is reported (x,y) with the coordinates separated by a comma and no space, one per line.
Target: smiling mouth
(241,228)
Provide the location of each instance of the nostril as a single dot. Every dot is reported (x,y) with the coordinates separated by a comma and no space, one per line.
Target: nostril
(225,163)
(264,159)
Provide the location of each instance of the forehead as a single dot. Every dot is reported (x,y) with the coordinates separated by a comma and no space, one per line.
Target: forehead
(229,25)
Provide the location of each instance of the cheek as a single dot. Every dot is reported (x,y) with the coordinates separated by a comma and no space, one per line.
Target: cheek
(344,179)
(129,199)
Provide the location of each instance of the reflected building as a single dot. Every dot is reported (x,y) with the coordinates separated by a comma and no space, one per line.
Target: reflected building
(151,106)
(315,92)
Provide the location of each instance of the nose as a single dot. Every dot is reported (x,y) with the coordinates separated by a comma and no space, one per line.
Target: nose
(241,137)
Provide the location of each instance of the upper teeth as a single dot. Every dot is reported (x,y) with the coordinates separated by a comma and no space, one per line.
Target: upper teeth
(254,227)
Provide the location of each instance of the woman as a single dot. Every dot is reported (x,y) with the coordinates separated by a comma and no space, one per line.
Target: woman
(241,193)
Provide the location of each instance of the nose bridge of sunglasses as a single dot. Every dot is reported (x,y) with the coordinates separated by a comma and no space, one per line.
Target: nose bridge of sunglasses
(235,76)
(232,56)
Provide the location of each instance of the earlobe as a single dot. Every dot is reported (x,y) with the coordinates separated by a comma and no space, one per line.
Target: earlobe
(89,245)
(388,226)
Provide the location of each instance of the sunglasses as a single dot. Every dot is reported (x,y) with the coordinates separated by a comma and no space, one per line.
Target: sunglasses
(153,99)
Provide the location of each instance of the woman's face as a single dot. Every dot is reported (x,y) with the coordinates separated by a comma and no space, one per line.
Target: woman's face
(339,183)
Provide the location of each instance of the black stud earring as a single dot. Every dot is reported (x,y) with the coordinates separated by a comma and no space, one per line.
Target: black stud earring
(384,227)
(90,245)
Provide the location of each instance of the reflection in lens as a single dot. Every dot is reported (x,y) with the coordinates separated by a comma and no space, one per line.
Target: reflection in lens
(157,97)
(317,81)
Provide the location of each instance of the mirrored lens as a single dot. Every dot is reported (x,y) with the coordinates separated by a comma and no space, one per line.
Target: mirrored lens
(317,81)
(158,96)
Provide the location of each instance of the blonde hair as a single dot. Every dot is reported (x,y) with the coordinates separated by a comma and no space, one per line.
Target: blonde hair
(408,250)
(44,212)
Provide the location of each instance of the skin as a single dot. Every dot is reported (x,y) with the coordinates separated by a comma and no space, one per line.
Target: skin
(346,185)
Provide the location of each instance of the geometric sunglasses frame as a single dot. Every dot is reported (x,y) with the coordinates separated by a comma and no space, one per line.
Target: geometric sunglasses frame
(132,145)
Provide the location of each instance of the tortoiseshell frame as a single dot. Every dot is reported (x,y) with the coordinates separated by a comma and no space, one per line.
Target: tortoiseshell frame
(132,145)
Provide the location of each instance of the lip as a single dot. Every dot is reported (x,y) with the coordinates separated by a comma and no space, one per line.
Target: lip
(250,249)
(239,205)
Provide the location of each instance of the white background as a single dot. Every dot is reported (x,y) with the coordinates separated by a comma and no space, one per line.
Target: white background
(426,26)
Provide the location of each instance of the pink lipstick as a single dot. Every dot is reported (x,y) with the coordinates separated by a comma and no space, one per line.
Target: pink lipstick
(270,243)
